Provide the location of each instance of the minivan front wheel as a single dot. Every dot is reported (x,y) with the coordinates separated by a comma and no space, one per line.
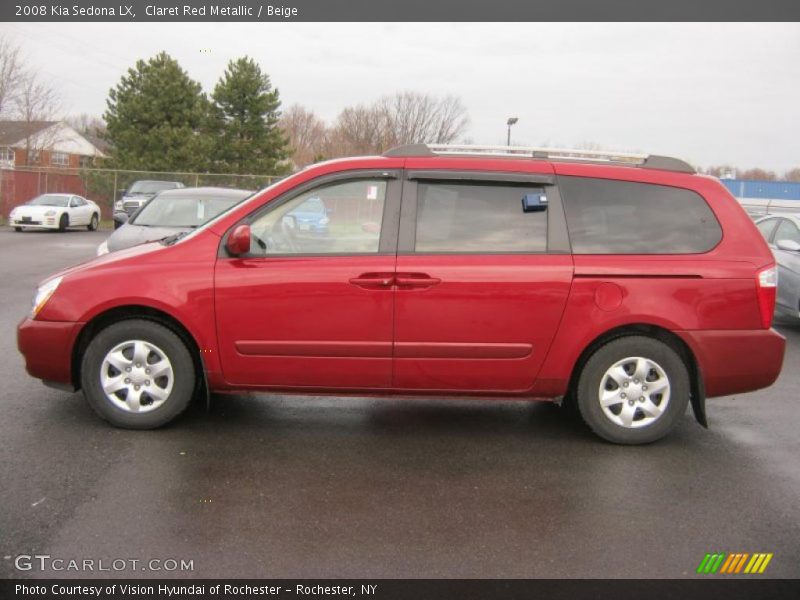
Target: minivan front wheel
(633,390)
(138,374)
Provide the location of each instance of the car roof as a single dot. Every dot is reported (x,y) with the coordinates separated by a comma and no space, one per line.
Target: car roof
(206,192)
(791,216)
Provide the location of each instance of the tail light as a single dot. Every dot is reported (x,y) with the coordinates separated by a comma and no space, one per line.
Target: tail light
(767,284)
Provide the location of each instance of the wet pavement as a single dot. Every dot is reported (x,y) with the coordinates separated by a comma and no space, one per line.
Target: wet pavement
(278,486)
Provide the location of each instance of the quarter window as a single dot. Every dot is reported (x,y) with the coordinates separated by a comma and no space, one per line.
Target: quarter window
(621,217)
(766,227)
(478,218)
(787,231)
(339,218)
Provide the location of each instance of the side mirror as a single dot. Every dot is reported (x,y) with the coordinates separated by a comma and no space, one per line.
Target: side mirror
(121,217)
(788,245)
(534,203)
(238,242)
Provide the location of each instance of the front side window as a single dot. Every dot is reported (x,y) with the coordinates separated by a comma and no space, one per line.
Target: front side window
(478,218)
(621,217)
(338,218)
(787,231)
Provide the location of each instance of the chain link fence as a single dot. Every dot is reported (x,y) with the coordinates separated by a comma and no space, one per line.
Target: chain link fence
(104,186)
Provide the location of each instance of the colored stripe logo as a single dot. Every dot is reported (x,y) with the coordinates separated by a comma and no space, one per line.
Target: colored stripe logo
(734,563)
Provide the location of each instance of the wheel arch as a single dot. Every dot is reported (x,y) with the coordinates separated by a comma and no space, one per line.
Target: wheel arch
(127,312)
(659,333)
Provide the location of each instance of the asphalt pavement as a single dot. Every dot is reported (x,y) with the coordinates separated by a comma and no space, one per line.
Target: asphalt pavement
(275,486)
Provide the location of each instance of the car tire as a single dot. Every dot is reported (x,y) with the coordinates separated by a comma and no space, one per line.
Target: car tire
(17,228)
(63,222)
(92,226)
(633,390)
(147,372)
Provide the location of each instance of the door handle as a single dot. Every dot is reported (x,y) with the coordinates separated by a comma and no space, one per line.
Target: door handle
(374,280)
(415,280)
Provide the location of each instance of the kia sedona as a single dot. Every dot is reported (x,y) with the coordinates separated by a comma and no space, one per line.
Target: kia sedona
(625,284)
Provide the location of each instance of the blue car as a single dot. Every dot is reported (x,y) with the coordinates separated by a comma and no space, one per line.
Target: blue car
(311,217)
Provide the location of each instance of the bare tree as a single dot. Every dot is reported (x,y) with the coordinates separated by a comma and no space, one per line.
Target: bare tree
(411,117)
(36,102)
(11,74)
(358,130)
(792,175)
(721,171)
(404,118)
(307,134)
(759,174)
(86,124)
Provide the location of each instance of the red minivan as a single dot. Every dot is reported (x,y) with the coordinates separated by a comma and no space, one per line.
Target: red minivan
(626,284)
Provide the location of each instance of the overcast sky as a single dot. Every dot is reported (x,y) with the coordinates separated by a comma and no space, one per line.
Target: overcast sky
(709,93)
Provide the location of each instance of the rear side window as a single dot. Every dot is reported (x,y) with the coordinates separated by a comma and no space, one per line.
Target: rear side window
(621,217)
(477,218)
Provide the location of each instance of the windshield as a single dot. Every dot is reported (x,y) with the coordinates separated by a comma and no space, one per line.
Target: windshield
(50,200)
(151,187)
(169,211)
(250,197)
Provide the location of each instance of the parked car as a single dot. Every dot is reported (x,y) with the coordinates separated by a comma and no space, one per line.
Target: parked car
(171,212)
(137,195)
(56,211)
(311,217)
(782,233)
(625,283)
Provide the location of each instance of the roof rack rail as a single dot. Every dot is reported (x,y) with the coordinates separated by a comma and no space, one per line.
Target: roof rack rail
(647,161)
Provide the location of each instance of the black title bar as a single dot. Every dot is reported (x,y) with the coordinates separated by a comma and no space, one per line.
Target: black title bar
(712,588)
(399,10)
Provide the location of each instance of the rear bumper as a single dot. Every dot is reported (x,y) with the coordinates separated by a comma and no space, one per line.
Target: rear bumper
(733,362)
(47,348)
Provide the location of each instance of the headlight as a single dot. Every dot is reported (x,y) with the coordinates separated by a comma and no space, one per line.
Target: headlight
(50,213)
(43,294)
(324,221)
(118,205)
(102,248)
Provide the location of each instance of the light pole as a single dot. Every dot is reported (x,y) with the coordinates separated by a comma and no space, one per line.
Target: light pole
(511,121)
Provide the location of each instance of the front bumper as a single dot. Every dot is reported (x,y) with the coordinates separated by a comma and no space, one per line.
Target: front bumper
(734,362)
(47,348)
(46,222)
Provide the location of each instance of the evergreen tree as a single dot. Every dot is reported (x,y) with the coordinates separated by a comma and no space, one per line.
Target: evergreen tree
(155,117)
(244,122)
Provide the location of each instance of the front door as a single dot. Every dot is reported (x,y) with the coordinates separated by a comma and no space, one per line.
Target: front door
(311,305)
(483,275)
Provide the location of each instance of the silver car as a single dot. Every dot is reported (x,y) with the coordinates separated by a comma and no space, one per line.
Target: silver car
(171,212)
(782,233)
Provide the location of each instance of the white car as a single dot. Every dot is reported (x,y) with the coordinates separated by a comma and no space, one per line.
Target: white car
(56,211)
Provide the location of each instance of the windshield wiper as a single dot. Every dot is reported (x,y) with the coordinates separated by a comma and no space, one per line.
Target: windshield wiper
(171,239)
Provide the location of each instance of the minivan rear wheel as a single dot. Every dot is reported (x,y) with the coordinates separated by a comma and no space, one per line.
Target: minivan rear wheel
(633,390)
(137,374)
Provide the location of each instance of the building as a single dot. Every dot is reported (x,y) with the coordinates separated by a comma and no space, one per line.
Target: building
(765,197)
(47,144)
